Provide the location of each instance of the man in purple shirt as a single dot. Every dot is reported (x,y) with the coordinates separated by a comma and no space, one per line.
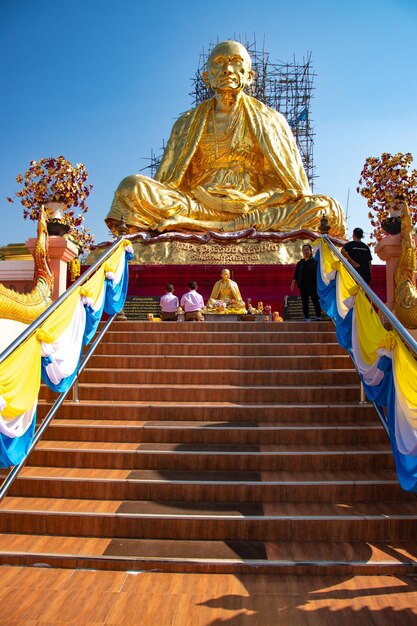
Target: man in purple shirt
(192,303)
(169,304)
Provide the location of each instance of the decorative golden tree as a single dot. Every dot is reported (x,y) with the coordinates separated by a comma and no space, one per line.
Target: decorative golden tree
(56,180)
(384,181)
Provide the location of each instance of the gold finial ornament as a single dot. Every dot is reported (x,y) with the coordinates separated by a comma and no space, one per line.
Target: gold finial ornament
(231,163)
(324,224)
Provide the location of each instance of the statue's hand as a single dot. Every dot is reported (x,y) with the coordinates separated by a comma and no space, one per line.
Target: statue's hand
(231,201)
(272,197)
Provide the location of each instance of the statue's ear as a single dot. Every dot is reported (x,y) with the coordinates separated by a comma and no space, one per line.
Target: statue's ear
(251,76)
(205,78)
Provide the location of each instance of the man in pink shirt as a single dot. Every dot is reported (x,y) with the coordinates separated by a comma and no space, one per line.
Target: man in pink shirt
(192,303)
(169,304)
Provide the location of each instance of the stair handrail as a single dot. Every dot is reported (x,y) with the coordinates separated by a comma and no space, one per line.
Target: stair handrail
(13,473)
(403,332)
(43,316)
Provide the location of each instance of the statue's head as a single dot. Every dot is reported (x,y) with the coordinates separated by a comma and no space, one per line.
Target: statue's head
(225,274)
(229,67)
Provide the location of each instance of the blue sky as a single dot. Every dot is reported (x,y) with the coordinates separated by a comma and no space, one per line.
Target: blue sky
(102,81)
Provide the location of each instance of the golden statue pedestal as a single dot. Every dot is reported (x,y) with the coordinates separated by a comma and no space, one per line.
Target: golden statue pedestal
(246,247)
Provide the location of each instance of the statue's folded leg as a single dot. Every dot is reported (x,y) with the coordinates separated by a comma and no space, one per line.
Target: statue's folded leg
(144,202)
(304,213)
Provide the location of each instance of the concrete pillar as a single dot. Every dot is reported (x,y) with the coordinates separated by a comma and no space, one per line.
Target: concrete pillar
(388,249)
(61,251)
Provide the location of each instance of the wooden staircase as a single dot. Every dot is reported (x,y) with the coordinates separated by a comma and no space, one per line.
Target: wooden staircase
(215,447)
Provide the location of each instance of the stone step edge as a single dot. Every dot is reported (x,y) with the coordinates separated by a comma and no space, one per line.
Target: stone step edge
(214,387)
(162,370)
(96,424)
(252,562)
(202,452)
(217,483)
(210,518)
(199,405)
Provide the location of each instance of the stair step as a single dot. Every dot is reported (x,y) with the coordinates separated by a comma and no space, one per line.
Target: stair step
(348,521)
(205,393)
(269,348)
(222,336)
(210,457)
(328,413)
(210,327)
(212,432)
(188,486)
(219,377)
(211,556)
(193,361)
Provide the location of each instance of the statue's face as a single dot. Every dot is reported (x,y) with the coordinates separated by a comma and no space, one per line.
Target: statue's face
(225,274)
(228,67)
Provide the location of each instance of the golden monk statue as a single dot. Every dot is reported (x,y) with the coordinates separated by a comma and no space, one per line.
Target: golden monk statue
(227,291)
(231,163)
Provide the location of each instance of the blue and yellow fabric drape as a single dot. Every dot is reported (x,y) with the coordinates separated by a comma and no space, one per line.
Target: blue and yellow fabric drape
(54,351)
(387,368)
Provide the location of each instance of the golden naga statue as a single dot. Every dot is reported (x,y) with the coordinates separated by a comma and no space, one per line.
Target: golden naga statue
(227,291)
(26,307)
(231,163)
(405,291)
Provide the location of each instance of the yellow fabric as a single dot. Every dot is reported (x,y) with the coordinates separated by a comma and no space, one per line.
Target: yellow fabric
(405,368)
(20,376)
(327,258)
(346,283)
(94,284)
(20,373)
(371,333)
(43,336)
(61,318)
(390,341)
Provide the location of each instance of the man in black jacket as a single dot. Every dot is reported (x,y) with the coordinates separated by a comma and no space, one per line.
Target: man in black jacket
(359,255)
(305,276)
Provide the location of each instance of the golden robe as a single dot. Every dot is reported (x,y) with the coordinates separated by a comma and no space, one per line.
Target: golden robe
(257,155)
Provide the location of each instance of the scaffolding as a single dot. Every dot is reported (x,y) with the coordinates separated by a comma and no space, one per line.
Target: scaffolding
(285,87)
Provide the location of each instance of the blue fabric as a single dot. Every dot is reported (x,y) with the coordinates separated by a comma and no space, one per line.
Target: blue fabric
(383,394)
(116,294)
(65,383)
(113,302)
(14,449)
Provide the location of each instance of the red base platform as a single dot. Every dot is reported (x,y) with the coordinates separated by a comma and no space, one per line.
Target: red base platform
(266,283)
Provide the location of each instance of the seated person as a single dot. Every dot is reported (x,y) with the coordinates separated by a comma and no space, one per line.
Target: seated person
(169,304)
(192,303)
(231,163)
(227,291)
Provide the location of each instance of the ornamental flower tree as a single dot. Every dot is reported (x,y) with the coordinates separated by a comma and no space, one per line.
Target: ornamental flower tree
(385,180)
(57,180)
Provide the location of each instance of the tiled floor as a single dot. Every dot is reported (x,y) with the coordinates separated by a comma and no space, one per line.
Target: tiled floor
(41,596)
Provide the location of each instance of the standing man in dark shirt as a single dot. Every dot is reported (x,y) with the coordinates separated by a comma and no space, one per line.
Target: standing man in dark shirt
(305,276)
(359,255)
